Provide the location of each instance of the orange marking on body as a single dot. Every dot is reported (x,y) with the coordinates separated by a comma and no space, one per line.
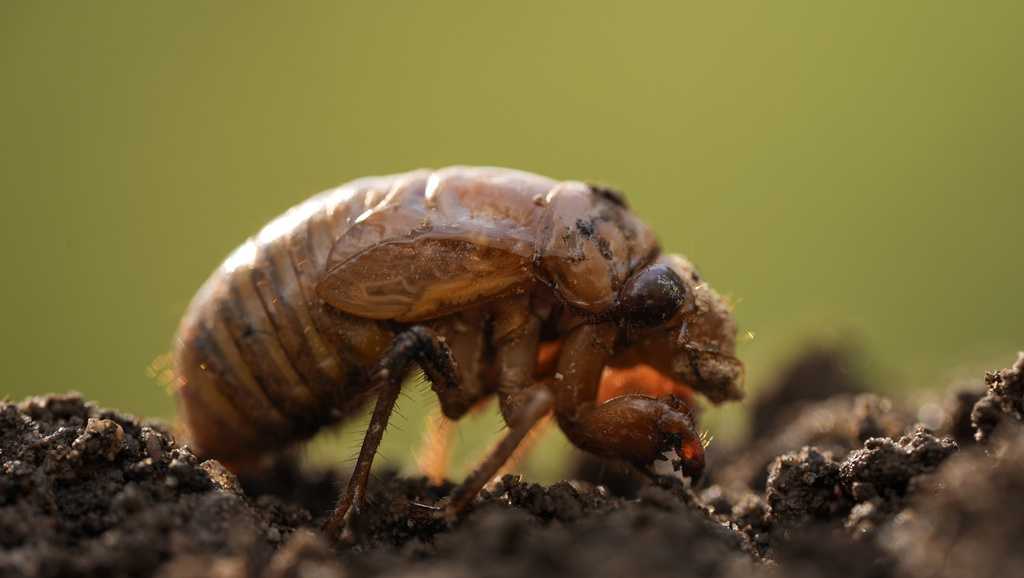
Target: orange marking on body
(643,379)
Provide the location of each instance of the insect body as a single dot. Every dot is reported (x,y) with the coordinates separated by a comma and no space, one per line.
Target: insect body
(469,273)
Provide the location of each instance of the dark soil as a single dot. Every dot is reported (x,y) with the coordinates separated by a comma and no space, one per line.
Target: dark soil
(834,482)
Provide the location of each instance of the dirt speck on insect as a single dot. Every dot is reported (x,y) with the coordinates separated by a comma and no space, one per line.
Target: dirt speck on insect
(846,483)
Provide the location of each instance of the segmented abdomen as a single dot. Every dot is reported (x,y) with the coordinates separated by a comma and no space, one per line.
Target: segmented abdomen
(261,360)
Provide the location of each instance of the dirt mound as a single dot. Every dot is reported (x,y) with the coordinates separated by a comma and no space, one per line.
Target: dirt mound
(849,483)
(1004,399)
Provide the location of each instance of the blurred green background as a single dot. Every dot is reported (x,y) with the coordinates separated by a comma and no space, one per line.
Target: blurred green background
(843,170)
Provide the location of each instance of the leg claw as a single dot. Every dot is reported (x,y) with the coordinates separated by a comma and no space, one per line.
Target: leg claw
(343,529)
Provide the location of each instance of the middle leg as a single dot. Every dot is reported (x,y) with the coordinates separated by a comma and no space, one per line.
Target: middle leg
(515,335)
(538,403)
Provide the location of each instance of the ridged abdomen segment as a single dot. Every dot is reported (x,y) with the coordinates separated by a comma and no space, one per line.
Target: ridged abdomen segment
(261,360)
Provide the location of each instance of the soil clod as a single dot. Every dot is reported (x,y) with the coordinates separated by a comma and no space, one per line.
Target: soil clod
(848,485)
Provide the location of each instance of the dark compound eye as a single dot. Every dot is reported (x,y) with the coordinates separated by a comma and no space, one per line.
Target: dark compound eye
(652,296)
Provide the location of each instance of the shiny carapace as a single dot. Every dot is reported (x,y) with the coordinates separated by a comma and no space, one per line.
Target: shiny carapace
(475,275)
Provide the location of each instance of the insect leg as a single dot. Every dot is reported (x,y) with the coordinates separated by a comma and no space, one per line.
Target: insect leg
(538,403)
(414,345)
(580,366)
(435,451)
(515,340)
(633,427)
(515,337)
(533,437)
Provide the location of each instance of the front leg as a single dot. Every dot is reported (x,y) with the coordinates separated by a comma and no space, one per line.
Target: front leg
(635,428)
(415,345)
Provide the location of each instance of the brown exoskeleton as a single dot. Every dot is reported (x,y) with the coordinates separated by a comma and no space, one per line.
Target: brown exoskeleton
(467,273)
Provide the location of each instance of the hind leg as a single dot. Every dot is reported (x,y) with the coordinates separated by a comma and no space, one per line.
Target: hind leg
(415,345)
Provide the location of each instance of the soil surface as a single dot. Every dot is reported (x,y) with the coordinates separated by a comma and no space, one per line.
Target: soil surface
(834,481)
